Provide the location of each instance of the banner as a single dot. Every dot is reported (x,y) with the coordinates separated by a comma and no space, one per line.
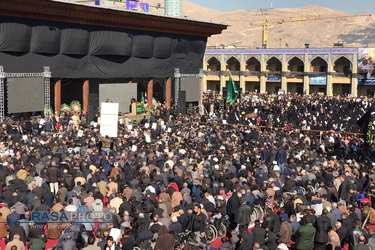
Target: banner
(318,79)
(109,119)
(137,6)
(366,68)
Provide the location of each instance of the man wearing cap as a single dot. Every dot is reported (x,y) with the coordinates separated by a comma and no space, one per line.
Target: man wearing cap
(242,172)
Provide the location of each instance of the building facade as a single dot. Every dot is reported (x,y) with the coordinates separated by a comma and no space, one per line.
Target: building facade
(331,71)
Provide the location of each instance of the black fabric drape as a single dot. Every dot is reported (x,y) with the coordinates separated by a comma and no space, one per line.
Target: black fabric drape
(45,40)
(15,37)
(82,51)
(110,43)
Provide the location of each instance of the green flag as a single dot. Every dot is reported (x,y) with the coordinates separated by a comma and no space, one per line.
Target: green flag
(142,100)
(232,91)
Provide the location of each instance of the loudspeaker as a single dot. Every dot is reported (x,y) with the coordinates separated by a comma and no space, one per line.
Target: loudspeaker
(224,97)
(221,103)
(92,107)
(239,92)
(181,105)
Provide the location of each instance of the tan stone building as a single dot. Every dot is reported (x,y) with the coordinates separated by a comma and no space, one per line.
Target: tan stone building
(331,71)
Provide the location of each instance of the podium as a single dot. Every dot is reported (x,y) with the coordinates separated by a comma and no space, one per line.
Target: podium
(134,109)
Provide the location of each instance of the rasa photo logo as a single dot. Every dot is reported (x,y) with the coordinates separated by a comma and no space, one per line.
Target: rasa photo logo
(70,217)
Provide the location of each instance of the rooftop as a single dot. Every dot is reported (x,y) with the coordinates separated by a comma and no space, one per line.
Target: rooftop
(73,12)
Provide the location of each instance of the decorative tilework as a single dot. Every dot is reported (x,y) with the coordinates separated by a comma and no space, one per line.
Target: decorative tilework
(267,57)
(238,57)
(347,56)
(323,56)
(247,57)
(282,51)
(291,56)
(208,57)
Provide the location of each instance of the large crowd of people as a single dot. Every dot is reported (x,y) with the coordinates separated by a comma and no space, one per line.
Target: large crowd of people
(165,179)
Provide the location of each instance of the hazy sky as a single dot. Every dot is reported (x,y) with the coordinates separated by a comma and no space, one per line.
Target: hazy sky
(350,6)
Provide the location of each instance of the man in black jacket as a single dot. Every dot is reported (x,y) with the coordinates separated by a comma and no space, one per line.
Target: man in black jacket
(269,220)
(270,239)
(53,174)
(17,229)
(127,240)
(322,226)
(344,188)
(258,234)
(354,234)
(341,232)
(246,241)
(143,236)
(244,213)
(199,224)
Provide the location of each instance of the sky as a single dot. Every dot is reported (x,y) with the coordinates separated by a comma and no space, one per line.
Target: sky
(350,6)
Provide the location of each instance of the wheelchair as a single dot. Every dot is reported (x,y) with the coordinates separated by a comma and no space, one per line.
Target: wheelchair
(217,228)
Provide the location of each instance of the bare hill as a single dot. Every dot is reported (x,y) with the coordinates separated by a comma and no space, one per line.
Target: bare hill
(352,31)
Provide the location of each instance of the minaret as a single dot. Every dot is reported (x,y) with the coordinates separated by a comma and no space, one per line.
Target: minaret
(173,8)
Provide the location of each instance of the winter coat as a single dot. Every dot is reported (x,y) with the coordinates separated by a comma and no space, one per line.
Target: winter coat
(322,228)
(233,206)
(305,237)
(286,232)
(3,228)
(343,190)
(244,215)
(353,236)
(246,241)
(20,208)
(53,174)
(164,240)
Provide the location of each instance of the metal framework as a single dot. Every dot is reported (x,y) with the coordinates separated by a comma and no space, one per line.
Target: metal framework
(47,91)
(46,74)
(2,108)
(177,87)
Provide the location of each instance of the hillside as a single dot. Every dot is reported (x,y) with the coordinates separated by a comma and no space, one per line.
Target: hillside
(352,31)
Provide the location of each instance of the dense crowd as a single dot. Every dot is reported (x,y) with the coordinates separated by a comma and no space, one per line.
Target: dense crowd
(312,112)
(165,179)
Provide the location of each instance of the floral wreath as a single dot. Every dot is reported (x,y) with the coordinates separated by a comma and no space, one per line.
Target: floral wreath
(65,108)
(75,106)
